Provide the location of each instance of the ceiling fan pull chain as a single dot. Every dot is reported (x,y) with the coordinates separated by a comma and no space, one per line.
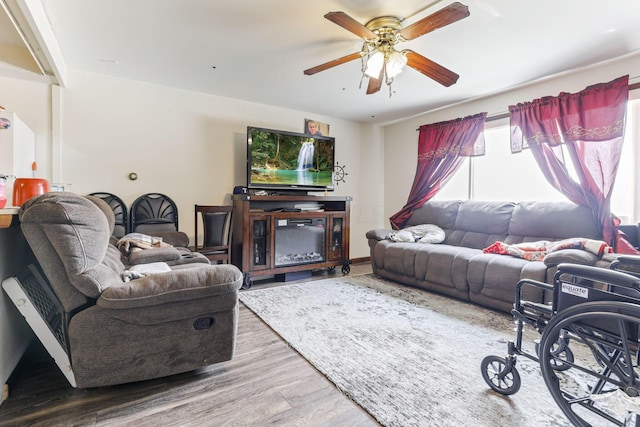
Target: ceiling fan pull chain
(363,66)
(389,82)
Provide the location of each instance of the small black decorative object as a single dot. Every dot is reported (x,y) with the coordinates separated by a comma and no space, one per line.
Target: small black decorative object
(339,173)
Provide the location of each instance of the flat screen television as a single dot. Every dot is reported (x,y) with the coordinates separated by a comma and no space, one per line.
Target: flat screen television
(281,160)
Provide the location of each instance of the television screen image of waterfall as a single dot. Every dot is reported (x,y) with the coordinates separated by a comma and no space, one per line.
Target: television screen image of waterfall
(294,160)
(305,158)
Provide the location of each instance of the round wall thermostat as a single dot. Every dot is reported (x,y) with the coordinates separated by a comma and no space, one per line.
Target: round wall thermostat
(133,176)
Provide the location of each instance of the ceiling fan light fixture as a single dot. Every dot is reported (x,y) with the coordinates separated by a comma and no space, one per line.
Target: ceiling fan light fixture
(395,64)
(380,36)
(375,64)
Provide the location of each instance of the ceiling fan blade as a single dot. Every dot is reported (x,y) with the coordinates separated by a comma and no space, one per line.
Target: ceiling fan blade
(375,84)
(445,16)
(430,69)
(350,24)
(333,63)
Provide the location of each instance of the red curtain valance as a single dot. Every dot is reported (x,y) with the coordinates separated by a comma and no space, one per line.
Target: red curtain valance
(457,137)
(596,113)
(441,148)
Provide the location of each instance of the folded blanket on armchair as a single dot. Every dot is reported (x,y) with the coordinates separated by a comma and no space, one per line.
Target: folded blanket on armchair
(536,251)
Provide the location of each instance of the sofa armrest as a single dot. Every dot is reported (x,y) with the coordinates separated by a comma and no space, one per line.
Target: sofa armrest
(378,233)
(146,256)
(570,256)
(174,238)
(200,281)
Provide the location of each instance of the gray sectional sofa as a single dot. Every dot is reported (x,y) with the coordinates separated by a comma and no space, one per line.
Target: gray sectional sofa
(458,267)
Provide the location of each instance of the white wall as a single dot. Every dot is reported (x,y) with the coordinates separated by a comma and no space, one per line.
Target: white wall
(190,146)
(401,139)
(31,102)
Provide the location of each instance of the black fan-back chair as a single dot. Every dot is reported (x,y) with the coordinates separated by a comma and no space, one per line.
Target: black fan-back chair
(216,227)
(156,214)
(120,211)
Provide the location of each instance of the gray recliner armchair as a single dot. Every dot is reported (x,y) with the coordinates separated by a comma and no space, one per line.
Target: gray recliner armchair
(118,328)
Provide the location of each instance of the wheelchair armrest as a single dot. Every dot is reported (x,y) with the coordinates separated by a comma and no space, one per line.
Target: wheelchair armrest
(622,261)
(597,274)
(532,283)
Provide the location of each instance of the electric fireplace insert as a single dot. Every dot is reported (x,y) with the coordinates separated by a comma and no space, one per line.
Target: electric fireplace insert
(299,241)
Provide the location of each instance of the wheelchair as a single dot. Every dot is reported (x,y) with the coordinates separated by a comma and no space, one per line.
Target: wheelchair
(588,350)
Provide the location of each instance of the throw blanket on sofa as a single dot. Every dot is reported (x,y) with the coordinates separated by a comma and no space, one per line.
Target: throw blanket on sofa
(137,241)
(536,251)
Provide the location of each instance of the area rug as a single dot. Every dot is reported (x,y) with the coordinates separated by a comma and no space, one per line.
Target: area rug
(407,356)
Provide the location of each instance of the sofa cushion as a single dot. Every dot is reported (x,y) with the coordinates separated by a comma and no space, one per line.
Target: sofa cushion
(551,221)
(492,276)
(485,217)
(164,254)
(106,210)
(441,213)
(397,257)
(444,265)
(479,223)
(76,233)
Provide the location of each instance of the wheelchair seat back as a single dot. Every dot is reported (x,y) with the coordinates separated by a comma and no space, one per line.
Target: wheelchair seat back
(586,284)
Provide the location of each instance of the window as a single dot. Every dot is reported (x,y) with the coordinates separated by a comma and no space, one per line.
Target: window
(500,175)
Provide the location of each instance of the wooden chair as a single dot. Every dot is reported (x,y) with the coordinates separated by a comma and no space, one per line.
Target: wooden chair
(215,242)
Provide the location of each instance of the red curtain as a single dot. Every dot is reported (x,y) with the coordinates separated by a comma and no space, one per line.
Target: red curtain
(441,148)
(590,124)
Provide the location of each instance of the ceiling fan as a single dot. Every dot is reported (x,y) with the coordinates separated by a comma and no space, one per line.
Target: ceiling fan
(380,60)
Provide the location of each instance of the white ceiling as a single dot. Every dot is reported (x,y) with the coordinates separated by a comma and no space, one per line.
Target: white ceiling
(256,50)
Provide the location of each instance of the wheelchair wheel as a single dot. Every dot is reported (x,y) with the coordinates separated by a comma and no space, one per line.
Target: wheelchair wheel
(561,352)
(500,375)
(604,372)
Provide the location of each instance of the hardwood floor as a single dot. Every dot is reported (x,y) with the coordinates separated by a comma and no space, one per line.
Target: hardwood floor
(266,383)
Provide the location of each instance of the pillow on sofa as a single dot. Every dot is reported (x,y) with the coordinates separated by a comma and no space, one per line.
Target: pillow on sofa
(432,234)
(401,236)
(423,233)
(572,256)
